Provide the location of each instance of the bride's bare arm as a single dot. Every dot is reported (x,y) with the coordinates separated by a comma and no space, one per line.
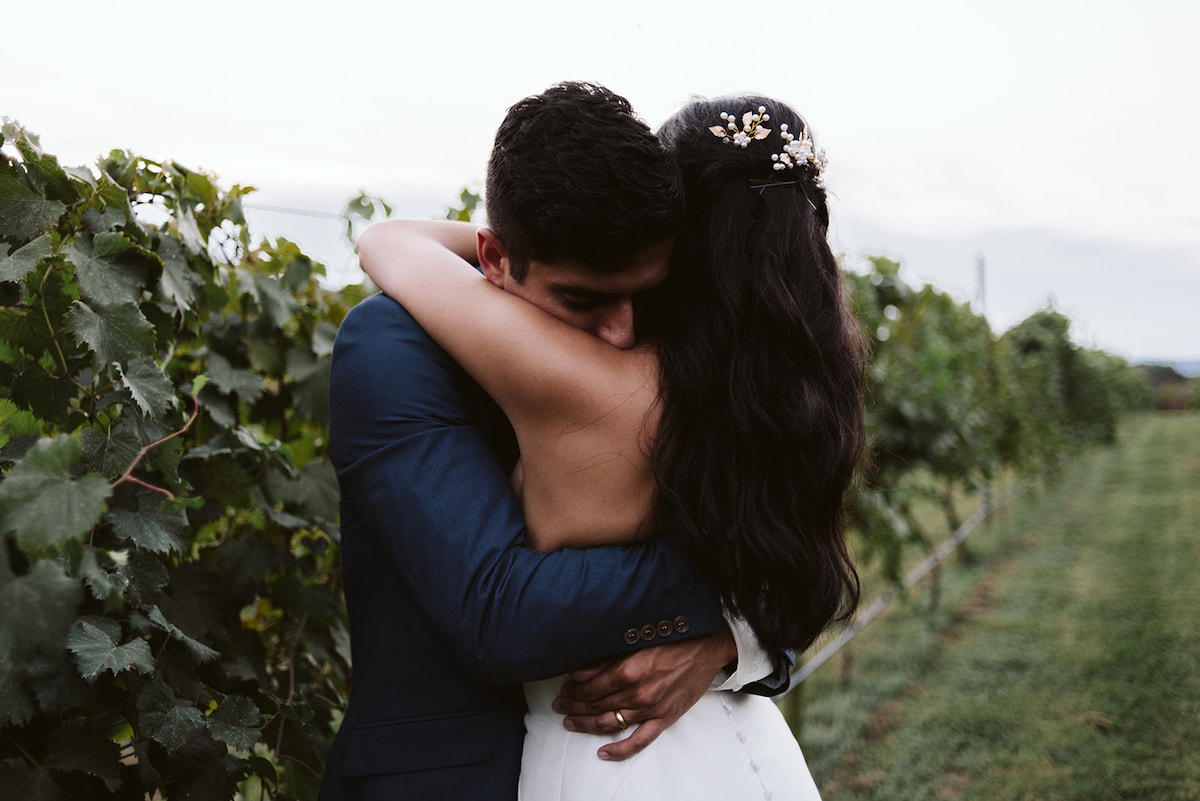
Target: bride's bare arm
(578,405)
(504,342)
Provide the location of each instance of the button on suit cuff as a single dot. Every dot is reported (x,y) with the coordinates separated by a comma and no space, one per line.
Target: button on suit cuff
(753,663)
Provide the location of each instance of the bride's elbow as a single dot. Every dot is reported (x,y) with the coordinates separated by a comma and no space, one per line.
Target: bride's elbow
(371,239)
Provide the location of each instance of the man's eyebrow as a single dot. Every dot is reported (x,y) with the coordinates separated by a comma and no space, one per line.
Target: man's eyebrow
(583,291)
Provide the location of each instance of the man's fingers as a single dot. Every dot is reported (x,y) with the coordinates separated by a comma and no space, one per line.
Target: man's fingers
(591,671)
(630,680)
(623,749)
(587,724)
(596,687)
(587,692)
(572,707)
(604,723)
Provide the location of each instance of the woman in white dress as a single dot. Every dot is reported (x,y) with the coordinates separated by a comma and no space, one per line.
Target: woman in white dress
(734,426)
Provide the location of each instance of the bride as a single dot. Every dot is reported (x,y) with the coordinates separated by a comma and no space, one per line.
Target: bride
(733,425)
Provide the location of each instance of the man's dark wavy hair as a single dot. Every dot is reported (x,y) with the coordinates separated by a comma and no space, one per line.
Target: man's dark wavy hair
(574,174)
(761,380)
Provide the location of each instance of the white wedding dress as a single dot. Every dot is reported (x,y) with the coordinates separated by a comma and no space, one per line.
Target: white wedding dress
(728,747)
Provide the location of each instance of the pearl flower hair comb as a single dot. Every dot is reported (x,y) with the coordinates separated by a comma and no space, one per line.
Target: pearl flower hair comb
(795,151)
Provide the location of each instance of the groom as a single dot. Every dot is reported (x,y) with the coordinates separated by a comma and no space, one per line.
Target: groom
(448,610)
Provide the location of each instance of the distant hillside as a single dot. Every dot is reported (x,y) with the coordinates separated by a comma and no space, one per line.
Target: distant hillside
(1172,388)
(1189,368)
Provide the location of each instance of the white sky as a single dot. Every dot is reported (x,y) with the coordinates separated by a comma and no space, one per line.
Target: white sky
(1057,139)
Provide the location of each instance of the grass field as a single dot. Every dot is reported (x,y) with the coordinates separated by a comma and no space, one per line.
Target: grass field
(1062,663)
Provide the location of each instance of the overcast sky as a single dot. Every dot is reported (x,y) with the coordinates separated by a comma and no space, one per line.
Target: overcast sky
(1056,139)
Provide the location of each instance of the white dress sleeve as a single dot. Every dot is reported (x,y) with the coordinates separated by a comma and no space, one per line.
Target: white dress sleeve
(753,662)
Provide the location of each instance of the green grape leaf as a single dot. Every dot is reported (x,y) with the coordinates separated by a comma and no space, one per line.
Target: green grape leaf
(321,497)
(113,194)
(146,576)
(110,454)
(220,409)
(75,748)
(100,221)
(296,276)
(21,329)
(323,337)
(16,707)
(199,185)
(22,212)
(83,174)
(199,651)
(309,384)
(179,281)
(266,355)
(42,503)
(10,354)
(149,386)
(29,144)
(44,394)
(164,720)
(106,585)
(189,231)
(93,640)
(236,722)
(314,489)
(19,263)
(276,304)
(288,521)
(264,768)
(103,279)
(246,384)
(28,783)
(36,610)
(17,423)
(56,683)
(164,457)
(120,335)
(158,530)
(46,177)
(217,777)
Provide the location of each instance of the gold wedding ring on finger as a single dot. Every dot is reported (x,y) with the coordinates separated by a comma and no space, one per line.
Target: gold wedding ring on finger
(621,720)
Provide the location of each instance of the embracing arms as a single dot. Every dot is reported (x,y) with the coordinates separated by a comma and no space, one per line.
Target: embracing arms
(505,343)
(407,430)
(413,462)
(420,482)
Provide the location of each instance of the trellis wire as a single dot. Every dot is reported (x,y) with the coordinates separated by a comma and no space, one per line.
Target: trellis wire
(916,574)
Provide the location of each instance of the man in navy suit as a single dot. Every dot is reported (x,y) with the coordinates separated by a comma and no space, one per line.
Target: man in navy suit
(448,610)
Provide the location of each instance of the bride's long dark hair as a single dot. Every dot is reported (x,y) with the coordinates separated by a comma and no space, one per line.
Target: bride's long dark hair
(761,379)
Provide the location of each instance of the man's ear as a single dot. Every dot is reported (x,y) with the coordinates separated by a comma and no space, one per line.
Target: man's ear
(493,257)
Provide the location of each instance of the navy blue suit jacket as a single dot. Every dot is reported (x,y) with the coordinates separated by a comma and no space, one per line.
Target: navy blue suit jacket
(448,610)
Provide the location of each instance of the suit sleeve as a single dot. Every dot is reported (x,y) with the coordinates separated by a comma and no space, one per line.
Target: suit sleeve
(414,465)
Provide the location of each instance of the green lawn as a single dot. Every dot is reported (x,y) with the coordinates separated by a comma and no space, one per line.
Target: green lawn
(1064,663)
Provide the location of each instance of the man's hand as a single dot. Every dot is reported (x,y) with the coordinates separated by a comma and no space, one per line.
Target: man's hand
(652,687)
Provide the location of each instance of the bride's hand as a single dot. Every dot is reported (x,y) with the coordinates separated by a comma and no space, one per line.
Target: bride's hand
(652,687)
